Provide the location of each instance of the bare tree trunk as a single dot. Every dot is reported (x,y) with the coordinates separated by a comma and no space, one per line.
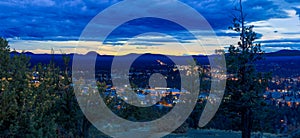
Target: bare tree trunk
(85,128)
(247,122)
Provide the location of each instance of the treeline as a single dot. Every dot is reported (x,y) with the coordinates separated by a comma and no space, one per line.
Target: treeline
(38,101)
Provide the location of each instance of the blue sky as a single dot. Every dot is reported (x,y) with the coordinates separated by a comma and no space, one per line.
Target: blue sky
(39,25)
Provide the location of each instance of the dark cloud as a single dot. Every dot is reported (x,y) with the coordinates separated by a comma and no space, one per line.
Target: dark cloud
(47,18)
(145,44)
(292,33)
(258,35)
(145,25)
(273,45)
(219,12)
(227,34)
(276,47)
(257,10)
(292,1)
(282,45)
(297,11)
(280,41)
(64,20)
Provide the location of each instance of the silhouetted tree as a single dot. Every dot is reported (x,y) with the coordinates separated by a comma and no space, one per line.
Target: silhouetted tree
(245,85)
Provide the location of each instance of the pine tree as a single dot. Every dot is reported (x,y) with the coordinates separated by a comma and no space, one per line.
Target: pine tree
(45,97)
(16,95)
(69,114)
(8,101)
(245,85)
(25,107)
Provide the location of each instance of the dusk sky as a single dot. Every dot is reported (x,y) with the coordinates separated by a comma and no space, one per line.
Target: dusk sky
(40,25)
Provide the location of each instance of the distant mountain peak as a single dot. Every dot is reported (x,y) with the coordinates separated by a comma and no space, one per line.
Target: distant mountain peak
(284,52)
(28,53)
(92,53)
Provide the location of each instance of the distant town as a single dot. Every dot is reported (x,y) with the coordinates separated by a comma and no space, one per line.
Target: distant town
(283,89)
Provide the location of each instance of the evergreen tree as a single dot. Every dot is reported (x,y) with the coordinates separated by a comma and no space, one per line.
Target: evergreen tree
(69,114)
(25,103)
(44,99)
(8,101)
(245,85)
(16,95)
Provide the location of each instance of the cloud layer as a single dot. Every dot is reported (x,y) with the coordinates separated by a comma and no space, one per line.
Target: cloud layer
(64,21)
